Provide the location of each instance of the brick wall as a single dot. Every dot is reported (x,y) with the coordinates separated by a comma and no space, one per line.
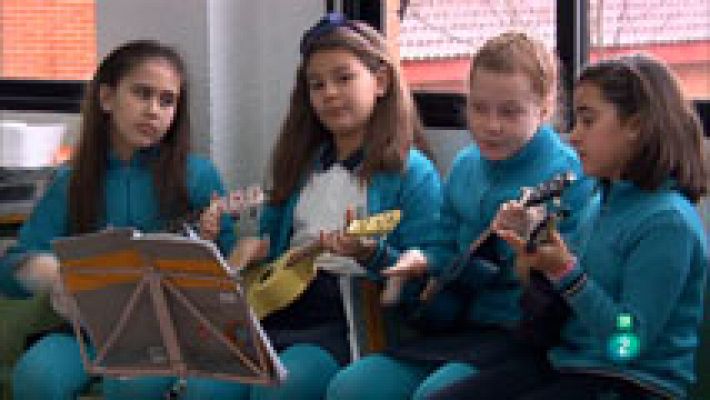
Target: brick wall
(47,39)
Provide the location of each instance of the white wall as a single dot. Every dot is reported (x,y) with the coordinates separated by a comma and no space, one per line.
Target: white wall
(241,55)
(254,46)
(445,144)
(180,23)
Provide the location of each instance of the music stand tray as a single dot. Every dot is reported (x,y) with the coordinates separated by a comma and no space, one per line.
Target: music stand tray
(161,304)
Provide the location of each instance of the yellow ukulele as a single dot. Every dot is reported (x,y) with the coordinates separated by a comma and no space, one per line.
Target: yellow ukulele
(274,286)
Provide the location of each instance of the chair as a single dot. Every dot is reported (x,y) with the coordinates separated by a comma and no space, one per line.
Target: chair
(20,319)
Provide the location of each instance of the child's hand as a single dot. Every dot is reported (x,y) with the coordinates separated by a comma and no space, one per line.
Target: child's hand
(39,273)
(247,251)
(210,218)
(550,257)
(338,243)
(60,300)
(412,263)
(513,216)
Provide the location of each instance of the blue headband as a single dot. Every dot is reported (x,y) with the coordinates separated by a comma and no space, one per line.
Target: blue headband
(326,25)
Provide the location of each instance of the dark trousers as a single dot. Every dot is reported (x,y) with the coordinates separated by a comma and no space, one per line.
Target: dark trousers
(532,378)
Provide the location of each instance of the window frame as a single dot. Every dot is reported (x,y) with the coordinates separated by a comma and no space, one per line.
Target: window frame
(441,110)
(438,110)
(58,96)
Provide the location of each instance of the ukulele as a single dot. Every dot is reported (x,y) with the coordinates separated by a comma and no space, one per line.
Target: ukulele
(544,311)
(235,204)
(275,285)
(530,197)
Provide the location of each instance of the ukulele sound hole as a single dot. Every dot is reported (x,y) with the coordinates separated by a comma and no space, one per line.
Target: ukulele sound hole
(266,275)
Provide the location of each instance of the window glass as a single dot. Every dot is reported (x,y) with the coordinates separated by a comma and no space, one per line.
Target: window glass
(677,32)
(438,37)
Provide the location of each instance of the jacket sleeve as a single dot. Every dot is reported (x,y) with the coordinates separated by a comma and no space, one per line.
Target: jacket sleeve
(447,227)
(203,182)
(655,271)
(47,221)
(420,202)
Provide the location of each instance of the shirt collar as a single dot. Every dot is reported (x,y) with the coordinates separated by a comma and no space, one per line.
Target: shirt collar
(612,190)
(328,158)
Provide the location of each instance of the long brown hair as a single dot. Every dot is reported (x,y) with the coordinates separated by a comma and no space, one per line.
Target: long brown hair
(670,141)
(392,128)
(89,164)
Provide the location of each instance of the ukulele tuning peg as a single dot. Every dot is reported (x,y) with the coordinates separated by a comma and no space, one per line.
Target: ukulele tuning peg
(255,195)
(236,197)
(235,202)
(527,194)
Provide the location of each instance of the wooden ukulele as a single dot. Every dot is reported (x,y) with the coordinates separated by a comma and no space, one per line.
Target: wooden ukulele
(544,311)
(530,197)
(274,286)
